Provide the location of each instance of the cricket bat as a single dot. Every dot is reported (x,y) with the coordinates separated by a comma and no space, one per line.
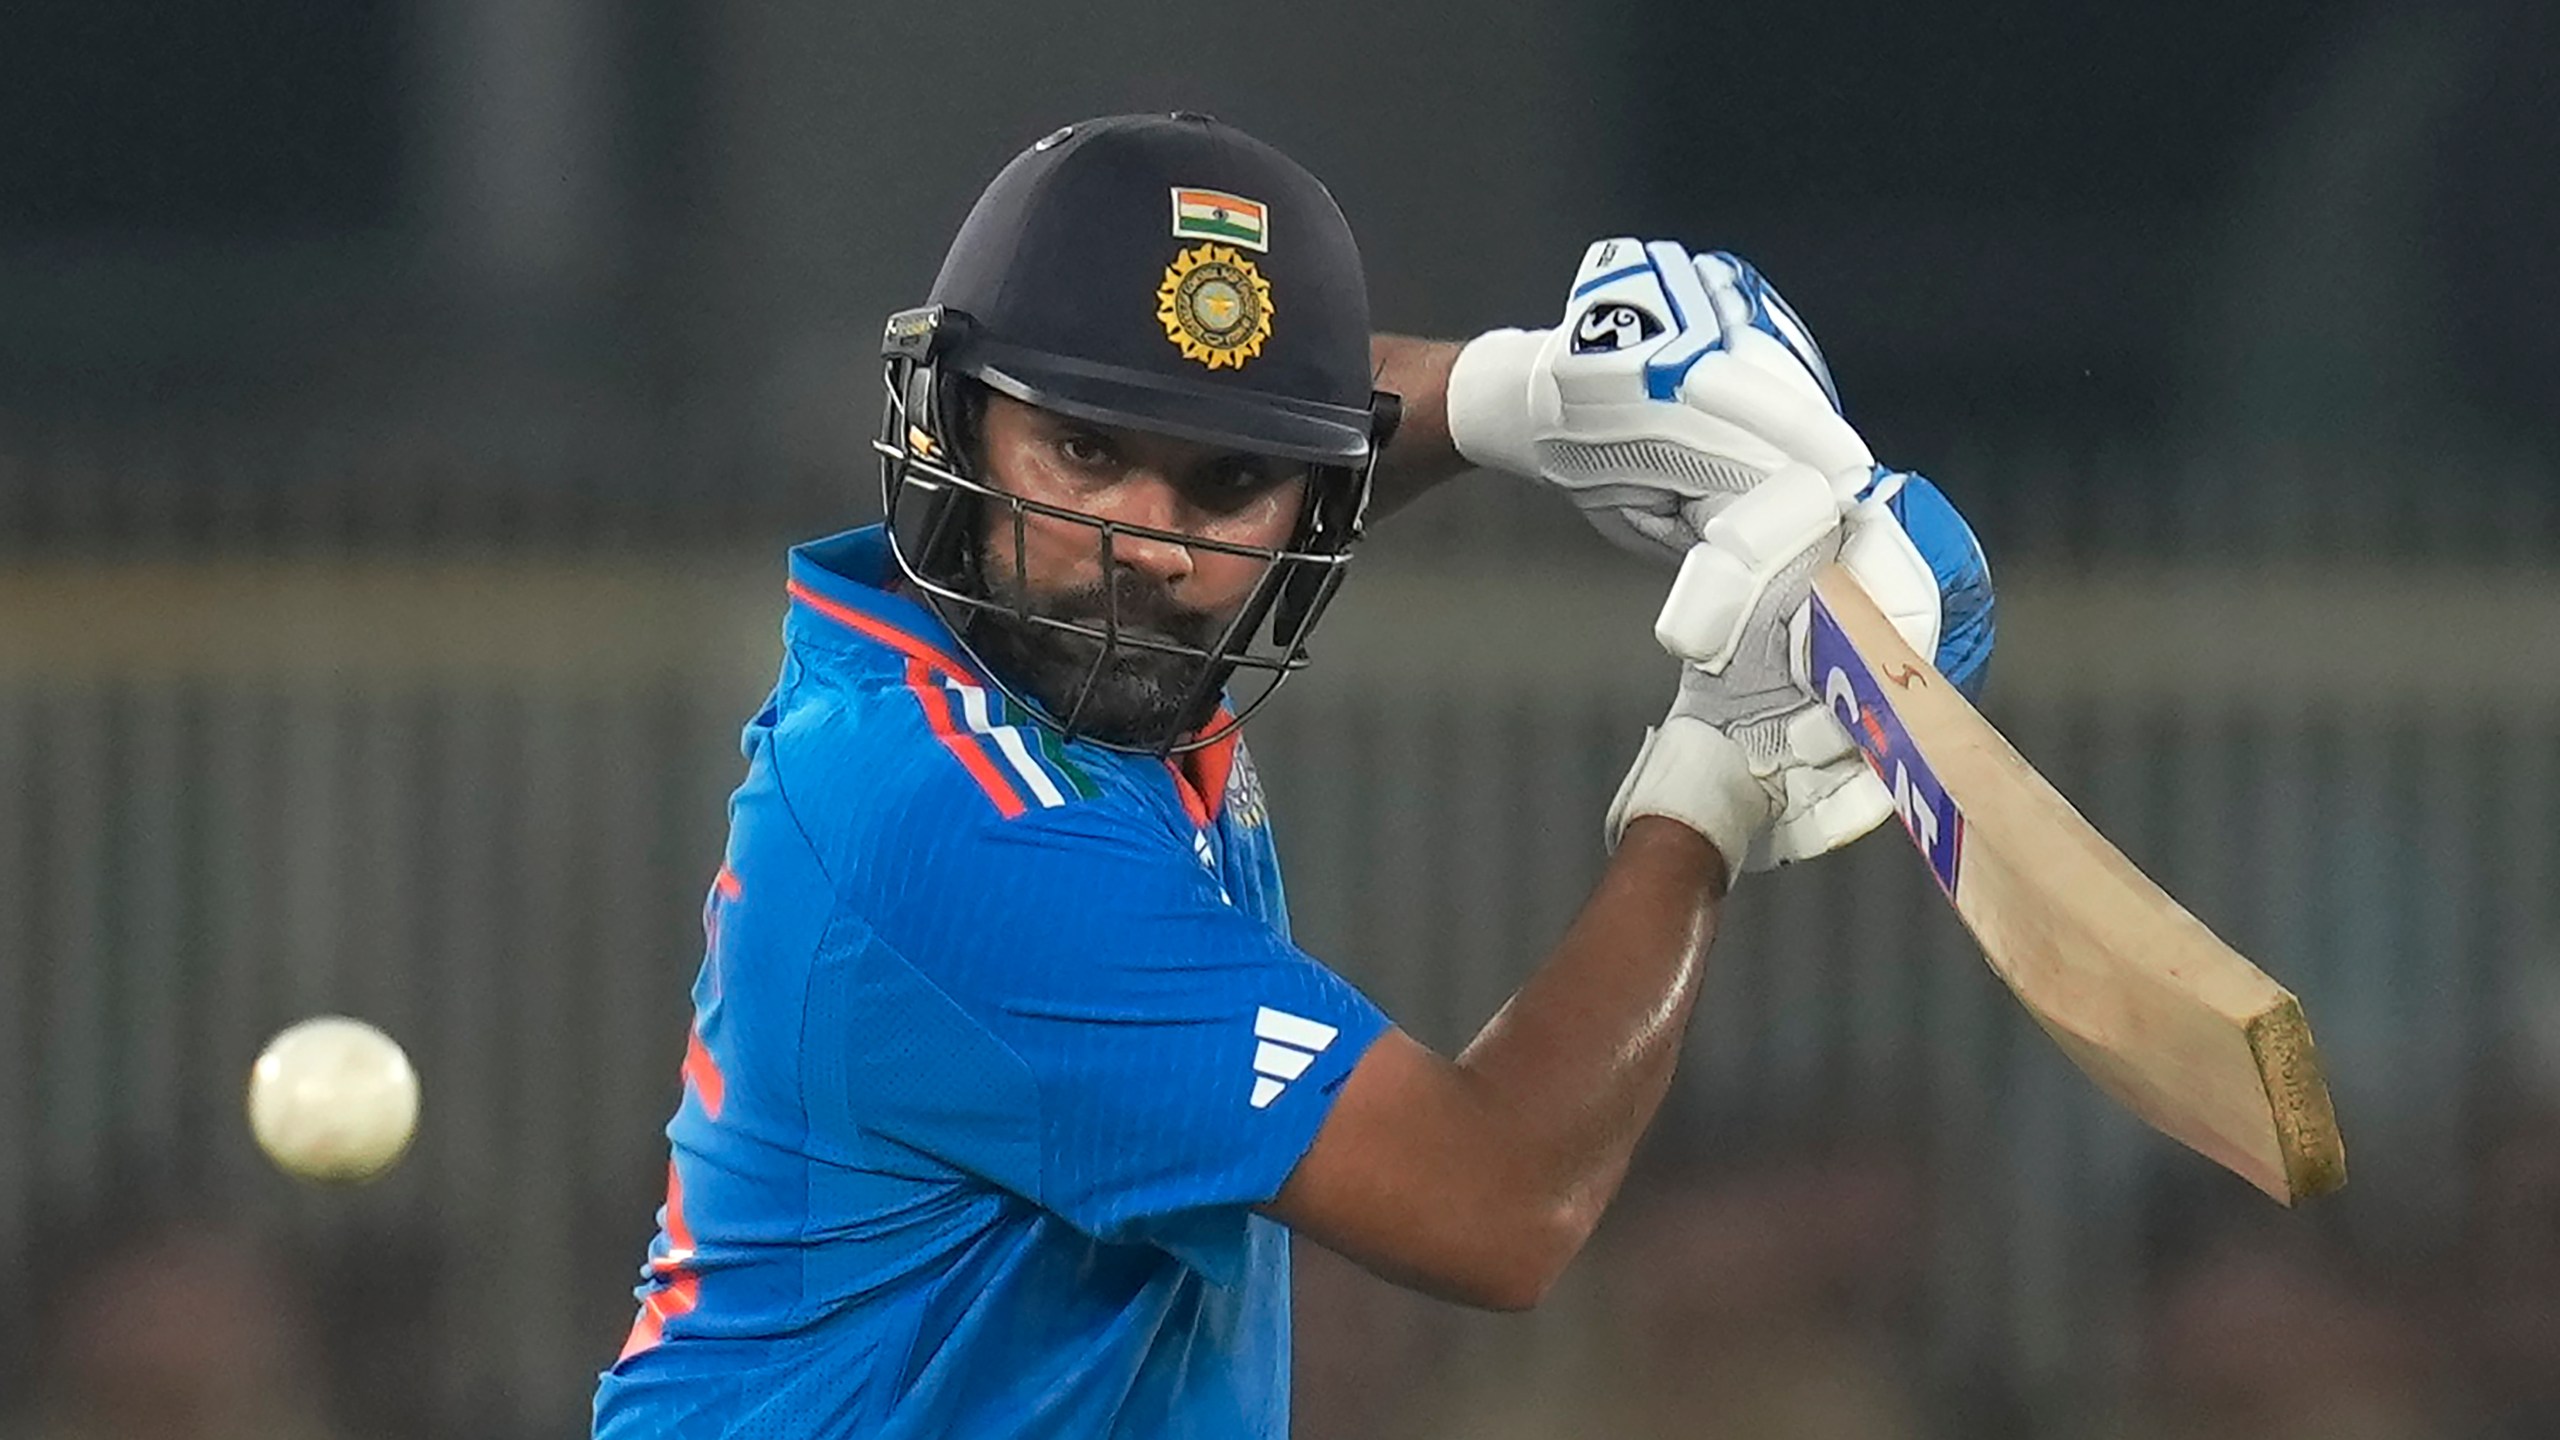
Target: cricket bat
(2173,1023)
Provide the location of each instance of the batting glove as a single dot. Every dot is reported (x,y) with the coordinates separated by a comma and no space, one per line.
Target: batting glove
(1672,385)
(1744,714)
(1917,559)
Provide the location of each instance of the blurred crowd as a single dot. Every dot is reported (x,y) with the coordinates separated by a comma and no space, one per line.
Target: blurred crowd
(142,1317)
(1764,1303)
(1775,1304)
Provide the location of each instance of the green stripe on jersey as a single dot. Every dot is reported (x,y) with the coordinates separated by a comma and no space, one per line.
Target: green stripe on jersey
(1054,751)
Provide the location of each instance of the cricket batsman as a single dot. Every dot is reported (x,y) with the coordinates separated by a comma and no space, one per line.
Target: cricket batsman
(1007,1086)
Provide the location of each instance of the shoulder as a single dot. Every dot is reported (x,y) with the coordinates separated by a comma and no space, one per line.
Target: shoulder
(910,776)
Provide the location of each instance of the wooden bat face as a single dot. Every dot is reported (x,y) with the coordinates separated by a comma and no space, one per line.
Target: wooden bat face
(2144,999)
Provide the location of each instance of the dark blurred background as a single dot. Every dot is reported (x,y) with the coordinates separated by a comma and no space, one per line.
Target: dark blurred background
(403,404)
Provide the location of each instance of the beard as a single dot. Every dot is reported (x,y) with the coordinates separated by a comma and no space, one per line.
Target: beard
(1135,696)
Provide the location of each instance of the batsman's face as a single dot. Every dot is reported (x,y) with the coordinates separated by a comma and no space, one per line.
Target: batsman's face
(1164,588)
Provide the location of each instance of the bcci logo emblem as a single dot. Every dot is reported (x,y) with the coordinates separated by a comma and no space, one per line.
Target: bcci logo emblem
(1215,306)
(1244,793)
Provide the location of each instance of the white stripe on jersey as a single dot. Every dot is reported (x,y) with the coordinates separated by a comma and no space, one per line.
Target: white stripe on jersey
(973,709)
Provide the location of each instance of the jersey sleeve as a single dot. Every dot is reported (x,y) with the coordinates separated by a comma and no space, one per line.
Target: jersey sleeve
(1144,1049)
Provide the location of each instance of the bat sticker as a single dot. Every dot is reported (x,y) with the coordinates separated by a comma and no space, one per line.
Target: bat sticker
(1854,695)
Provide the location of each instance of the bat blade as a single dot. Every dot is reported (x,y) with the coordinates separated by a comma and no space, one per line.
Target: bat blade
(2177,1026)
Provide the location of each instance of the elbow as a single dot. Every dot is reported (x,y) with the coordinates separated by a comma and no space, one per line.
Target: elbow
(1512,1295)
(1530,1255)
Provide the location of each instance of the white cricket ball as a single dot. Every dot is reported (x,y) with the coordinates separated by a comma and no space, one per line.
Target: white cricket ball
(333,1099)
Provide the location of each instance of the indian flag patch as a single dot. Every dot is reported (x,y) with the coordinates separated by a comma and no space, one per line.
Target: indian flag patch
(1217,215)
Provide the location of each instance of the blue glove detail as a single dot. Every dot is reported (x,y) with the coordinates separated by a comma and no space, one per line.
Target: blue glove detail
(1772,315)
(1967,624)
(1711,299)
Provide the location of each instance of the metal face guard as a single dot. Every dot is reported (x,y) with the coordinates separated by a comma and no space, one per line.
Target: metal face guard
(936,514)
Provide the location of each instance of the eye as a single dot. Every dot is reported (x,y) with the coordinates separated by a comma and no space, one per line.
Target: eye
(1243,478)
(1085,450)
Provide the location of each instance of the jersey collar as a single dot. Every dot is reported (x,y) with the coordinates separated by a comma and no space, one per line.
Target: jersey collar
(1200,776)
(839,592)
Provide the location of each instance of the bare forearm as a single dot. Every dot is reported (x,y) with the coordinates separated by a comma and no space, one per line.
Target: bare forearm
(1580,1059)
(1478,1179)
(1578,1062)
(1421,455)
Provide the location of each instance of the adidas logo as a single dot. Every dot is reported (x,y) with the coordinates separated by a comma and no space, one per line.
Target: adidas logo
(1290,1043)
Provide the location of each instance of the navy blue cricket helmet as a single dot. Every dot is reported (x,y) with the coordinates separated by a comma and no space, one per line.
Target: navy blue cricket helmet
(1165,273)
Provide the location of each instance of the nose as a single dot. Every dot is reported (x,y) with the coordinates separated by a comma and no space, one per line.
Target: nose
(1151,501)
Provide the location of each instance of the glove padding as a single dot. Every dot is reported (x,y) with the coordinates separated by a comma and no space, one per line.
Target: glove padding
(1743,714)
(1753,662)
(1832,796)
(1917,559)
(1676,384)
(1672,386)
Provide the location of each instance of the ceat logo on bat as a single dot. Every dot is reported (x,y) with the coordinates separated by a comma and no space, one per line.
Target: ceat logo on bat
(1859,702)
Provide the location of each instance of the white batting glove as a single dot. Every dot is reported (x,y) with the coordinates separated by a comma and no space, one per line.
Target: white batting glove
(1740,616)
(1672,385)
(1744,715)
(1832,796)
(1675,384)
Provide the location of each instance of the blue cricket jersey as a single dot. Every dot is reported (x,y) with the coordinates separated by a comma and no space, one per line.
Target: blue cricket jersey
(997,1042)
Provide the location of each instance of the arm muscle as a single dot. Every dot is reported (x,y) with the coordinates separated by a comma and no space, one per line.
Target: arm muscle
(1478,1178)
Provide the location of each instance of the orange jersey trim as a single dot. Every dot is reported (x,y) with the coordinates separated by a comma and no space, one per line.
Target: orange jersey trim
(973,756)
(679,1289)
(881,630)
(703,1074)
(1200,776)
(926,663)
